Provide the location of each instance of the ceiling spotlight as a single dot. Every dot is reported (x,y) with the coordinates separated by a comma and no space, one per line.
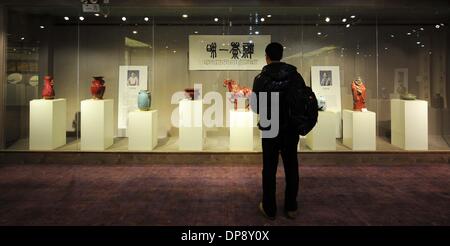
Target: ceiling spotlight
(422,29)
(184,15)
(284,47)
(344,20)
(422,45)
(352,17)
(262,19)
(97,14)
(216,19)
(409,34)
(437,26)
(146,18)
(268,16)
(22,38)
(174,51)
(42,27)
(442,24)
(347,26)
(327,19)
(319,33)
(256,32)
(66,18)
(81,18)
(386,48)
(124,18)
(418,42)
(135,32)
(196,32)
(392,36)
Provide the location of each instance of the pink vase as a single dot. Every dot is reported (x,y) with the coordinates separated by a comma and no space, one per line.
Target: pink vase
(48,92)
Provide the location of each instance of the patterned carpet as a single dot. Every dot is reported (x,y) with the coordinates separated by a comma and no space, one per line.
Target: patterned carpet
(220,195)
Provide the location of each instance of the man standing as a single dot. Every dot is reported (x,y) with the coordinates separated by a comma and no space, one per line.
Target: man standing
(269,86)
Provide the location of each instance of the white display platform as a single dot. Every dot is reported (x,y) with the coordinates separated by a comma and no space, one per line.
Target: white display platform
(142,130)
(241,130)
(97,124)
(359,131)
(47,124)
(409,124)
(190,125)
(338,122)
(323,135)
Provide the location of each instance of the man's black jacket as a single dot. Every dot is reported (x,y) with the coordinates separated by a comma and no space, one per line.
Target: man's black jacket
(276,77)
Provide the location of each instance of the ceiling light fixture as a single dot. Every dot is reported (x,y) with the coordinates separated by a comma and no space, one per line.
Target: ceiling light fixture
(146,18)
(319,33)
(262,19)
(196,32)
(268,16)
(81,18)
(124,18)
(347,26)
(42,27)
(216,19)
(437,26)
(327,19)
(184,16)
(135,32)
(344,20)
(66,18)
(97,14)
(353,17)
(256,32)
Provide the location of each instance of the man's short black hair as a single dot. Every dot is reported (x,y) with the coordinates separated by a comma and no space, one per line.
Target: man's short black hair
(274,51)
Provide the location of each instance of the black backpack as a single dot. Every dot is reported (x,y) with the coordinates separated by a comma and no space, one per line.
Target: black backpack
(302,110)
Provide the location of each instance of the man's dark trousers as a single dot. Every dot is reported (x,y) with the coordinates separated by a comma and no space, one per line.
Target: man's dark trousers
(286,143)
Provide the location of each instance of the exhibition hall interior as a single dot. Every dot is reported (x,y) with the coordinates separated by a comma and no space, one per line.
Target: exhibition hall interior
(174,79)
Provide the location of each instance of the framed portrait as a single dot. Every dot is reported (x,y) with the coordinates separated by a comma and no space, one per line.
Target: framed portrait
(133,77)
(326,78)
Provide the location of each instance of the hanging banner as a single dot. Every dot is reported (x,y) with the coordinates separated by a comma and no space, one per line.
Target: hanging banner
(132,79)
(227,52)
(325,82)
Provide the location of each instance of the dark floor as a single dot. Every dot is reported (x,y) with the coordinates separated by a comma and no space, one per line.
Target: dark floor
(220,195)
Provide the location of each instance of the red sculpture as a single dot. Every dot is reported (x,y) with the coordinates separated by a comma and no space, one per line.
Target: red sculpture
(98,87)
(48,92)
(359,95)
(237,92)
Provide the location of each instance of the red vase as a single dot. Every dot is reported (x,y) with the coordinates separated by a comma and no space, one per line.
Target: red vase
(98,87)
(191,93)
(48,92)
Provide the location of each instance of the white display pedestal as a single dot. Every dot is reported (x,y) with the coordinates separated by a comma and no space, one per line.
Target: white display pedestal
(47,124)
(96,124)
(241,130)
(190,125)
(142,130)
(359,131)
(323,135)
(338,122)
(409,124)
